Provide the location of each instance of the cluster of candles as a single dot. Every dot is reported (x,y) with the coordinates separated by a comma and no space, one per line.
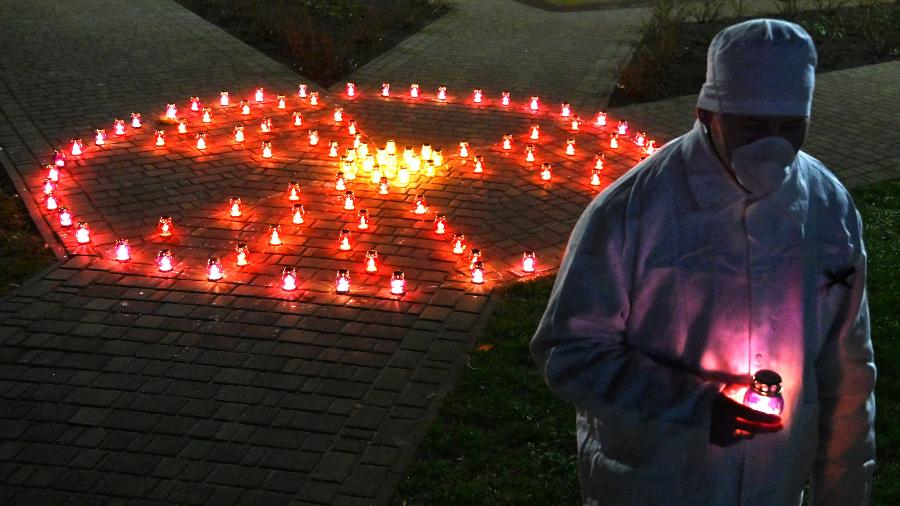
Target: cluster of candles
(383,167)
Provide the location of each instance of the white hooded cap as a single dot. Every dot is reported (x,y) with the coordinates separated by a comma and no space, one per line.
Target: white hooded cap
(761,67)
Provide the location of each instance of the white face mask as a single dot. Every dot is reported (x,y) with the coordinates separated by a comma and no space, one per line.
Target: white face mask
(762,166)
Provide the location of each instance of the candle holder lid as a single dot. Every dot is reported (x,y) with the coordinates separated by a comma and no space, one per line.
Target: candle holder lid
(766,382)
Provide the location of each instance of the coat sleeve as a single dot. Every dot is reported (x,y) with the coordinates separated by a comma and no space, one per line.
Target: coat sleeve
(845,371)
(581,345)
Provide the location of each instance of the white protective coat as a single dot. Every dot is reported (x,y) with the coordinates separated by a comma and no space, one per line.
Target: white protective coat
(675,282)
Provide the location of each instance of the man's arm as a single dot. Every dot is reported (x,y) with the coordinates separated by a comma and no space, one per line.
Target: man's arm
(581,346)
(846,381)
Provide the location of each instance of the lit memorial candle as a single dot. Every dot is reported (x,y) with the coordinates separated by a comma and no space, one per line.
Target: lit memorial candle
(119,127)
(48,186)
(275,234)
(171,112)
(301,91)
(478,273)
(339,182)
(351,90)
(614,141)
(214,270)
(165,226)
(224,99)
(338,115)
(342,282)
(475,257)
(504,99)
(239,133)
(65,217)
(293,190)
(529,153)
(50,202)
(601,119)
(349,201)
(245,108)
(52,172)
(507,142)
(463,149)
(297,214)
(622,128)
(440,224)
(477,96)
(314,98)
(265,125)
(123,250)
(459,244)
(82,233)
(383,186)
(362,219)
(201,141)
(442,93)
(267,149)
(99,137)
(195,104)
(565,110)
(77,147)
(207,115)
(546,172)
(136,121)
(414,91)
(535,132)
(332,149)
(570,147)
(764,393)
(344,240)
(398,283)
(289,279)
(534,104)
(242,255)
(259,95)
(371,261)
(282,102)
(595,177)
(421,206)
(235,208)
(479,164)
(313,137)
(160,138)
(297,118)
(385,89)
(528,261)
(164,260)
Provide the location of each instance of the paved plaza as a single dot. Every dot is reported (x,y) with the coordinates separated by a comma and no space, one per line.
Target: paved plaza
(124,384)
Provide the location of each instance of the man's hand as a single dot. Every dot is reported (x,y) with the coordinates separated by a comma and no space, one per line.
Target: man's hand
(733,422)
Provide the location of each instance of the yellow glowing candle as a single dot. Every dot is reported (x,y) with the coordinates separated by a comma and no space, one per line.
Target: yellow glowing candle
(463,149)
(314,98)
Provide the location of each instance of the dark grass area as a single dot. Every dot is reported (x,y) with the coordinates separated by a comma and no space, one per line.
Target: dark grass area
(323,40)
(22,250)
(670,59)
(501,437)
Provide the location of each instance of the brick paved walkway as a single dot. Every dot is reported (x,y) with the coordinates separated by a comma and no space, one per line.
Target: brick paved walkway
(852,128)
(123,384)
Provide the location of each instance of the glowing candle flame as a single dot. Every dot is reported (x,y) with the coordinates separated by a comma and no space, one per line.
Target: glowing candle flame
(528,261)
(293,190)
(165,226)
(477,96)
(651,147)
(349,201)
(52,173)
(623,128)
(242,255)
(376,174)
(224,99)
(639,139)
(371,261)
(136,121)
(363,149)
(614,141)
(195,104)
(266,149)
(245,108)
(478,273)
(479,164)
(65,217)
(82,233)
(595,177)
(301,91)
(265,125)
(459,244)
(160,138)
(403,177)
(207,115)
(565,110)
(313,137)
(297,118)
(344,240)
(339,182)
(182,126)
(201,140)
(575,124)
(351,127)
(440,224)
(535,103)
(214,270)
(420,207)
(463,149)
(338,114)
(601,119)
(570,147)
(535,132)
(362,219)
(342,282)
(437,157)
(507,142)
(100,137)
(289,279)
(239,133)
(414,90)
(351,90)
(398,283)
(123,250)
(164,260)
(48,186)
(282,102)
(274,235)
(442,93)
(171,112)
(385,89)
(77,147)
(260,95)
(429,168)
(383,186)
(504,99)
(529,153)
(51,202)
(357,144)
(546,172)
(119,127)
(297,213)
(59,158)
(235,209)
(314,98)
(598,161)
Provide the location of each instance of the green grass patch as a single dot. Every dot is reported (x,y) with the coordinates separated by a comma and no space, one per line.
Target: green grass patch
(501,437)
(22,250)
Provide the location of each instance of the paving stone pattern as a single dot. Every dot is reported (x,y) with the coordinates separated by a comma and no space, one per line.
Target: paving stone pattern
(852,128)
(121,384)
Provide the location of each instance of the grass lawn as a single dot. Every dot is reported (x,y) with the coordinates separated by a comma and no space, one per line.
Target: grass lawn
(501,437)
(22,251)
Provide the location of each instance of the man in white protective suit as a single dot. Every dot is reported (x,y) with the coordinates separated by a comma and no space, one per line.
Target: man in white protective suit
(727,252)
